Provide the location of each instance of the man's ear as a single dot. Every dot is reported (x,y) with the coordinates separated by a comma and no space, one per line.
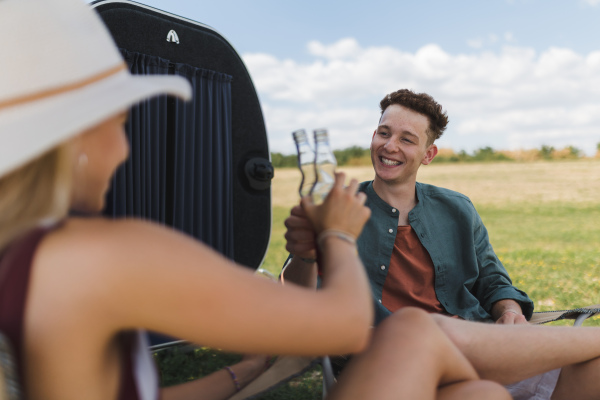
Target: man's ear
(430,154)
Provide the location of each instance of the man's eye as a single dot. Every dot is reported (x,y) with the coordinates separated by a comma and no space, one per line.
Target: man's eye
(406,140)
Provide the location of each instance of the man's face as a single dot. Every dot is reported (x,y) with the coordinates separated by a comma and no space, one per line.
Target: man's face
(399,145)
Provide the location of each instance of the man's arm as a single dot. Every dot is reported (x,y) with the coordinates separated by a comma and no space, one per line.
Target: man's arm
(300,272)
(508,312)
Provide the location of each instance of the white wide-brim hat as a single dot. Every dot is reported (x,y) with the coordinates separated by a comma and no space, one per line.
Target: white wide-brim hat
(61,73)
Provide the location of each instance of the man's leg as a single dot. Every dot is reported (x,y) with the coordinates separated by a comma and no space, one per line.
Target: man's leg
(409,357)
(510,353)
(579,381)
(473,390)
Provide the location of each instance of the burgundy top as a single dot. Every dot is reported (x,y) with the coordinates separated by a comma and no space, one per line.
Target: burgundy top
(15,268)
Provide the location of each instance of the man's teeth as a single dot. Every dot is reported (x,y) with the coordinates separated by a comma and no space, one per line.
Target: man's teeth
(389,162)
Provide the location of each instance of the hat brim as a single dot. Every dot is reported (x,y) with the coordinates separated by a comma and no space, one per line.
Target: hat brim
(33,128)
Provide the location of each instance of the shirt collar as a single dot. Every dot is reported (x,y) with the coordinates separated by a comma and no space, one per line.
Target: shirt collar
(373,198)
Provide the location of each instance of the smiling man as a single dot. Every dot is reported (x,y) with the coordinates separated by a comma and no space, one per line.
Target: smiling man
(423,246)
(426,246)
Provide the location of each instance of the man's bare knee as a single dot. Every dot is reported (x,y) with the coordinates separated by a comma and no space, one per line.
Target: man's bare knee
(415,326)
(410,315)
(408,319)
(489,390)
(452,329)
(475,390)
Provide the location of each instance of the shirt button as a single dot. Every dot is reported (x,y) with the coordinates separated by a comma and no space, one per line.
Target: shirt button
(393,210)
(380,300)
(390,230)
(383,267)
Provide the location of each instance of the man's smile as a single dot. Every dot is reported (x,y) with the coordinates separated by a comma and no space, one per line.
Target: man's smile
(389,162)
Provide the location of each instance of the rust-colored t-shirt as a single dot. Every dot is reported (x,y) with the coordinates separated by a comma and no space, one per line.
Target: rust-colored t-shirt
(411,279)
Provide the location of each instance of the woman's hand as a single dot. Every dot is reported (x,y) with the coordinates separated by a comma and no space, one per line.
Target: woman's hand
(343,209)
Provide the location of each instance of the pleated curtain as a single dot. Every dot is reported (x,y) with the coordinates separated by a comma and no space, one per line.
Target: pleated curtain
(179,172)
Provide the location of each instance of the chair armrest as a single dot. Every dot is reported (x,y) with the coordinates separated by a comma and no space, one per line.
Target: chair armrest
(578,314)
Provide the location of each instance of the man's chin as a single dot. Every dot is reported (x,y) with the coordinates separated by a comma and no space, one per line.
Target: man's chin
(397,179)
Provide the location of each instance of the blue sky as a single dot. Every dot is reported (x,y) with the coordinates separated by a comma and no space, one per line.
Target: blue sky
(511,74)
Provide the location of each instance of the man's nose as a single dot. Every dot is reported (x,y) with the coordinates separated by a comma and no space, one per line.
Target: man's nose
(391,145)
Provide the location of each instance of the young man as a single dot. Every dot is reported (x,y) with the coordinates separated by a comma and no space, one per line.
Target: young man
(426,247)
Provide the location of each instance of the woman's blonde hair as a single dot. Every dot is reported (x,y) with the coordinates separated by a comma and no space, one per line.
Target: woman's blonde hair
(37,193)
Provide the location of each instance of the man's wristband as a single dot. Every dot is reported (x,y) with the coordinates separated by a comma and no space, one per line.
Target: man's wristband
(306,260)
(509,311)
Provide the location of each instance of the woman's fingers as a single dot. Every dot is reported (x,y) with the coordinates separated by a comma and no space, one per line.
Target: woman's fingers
(340,177)
(343,209)
(361,197)
(352,187)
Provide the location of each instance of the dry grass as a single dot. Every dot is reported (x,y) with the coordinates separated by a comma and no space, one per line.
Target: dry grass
(486,183)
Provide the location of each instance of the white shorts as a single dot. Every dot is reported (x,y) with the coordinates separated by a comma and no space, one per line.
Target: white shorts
(539,387)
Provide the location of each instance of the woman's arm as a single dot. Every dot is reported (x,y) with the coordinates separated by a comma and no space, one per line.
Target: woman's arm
(116,275)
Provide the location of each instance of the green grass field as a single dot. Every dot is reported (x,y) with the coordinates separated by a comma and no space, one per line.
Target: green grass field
(543,220)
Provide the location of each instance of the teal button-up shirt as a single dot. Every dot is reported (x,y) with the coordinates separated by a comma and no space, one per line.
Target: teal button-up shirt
(469,277)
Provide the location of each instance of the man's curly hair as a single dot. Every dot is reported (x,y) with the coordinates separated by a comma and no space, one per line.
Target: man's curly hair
(423,104)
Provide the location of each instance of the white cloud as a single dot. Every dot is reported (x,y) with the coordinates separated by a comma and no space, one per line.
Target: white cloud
(510,98)
(491,40)
(592,3)
(475,43)
(345,48)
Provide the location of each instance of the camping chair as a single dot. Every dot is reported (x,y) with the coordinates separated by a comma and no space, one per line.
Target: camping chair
(578,314)
(9,385)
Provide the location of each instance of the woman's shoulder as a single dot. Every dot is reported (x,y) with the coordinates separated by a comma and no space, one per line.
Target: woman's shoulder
(77,234)
(92,249)
(92,263)
(98,227)
(101,248)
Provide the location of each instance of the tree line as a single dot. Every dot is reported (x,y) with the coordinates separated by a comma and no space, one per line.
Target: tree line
(359,156)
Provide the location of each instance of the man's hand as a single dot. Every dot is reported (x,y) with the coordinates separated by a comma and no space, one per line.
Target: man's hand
(508,312)
(300,235)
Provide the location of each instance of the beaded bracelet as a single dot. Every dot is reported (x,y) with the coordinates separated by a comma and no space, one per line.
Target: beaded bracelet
(235,379)
(345,236)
